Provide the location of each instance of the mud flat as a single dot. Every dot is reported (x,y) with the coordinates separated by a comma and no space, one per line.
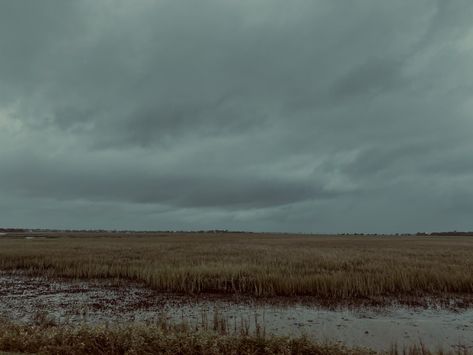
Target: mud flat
(23,299)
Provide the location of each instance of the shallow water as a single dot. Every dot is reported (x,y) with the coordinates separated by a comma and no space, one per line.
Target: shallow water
(94,302)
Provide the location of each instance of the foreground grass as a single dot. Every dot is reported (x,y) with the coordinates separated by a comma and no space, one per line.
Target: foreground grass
(165,339)
(150,340)
(333,268)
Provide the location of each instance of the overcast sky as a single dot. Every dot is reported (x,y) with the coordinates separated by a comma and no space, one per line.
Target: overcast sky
(263,115)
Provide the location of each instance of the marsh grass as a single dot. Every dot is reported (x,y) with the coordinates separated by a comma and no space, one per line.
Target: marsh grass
(208,336)
(147,340)
(327,267)
(163,337)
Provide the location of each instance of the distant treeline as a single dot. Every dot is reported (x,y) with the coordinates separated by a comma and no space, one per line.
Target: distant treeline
(219,231)
(451,233)
(42,230)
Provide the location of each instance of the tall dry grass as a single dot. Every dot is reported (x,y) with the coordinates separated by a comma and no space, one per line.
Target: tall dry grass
(329,267)
(139,339)
(168,338)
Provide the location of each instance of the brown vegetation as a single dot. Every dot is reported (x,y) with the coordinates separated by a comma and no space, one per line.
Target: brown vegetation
(330,267)
(149,340)
(211,338)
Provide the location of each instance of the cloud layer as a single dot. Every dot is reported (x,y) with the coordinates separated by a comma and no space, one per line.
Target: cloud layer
(304,116)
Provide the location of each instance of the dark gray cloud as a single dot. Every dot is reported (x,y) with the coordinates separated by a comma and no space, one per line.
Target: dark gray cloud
(190,187)
(313,116)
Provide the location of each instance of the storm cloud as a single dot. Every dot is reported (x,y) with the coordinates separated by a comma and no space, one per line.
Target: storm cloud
(301,116)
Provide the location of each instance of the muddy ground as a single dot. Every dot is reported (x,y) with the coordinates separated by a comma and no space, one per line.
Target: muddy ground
(26,299)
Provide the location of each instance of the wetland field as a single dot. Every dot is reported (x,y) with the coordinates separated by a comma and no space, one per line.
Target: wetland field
(235,293)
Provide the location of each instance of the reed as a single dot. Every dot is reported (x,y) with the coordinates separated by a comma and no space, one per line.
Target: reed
(327,267)
(164,337)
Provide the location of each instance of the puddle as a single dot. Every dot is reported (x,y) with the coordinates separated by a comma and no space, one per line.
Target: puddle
(94,302)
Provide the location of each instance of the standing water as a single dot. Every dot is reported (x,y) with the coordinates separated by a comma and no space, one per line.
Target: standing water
(96,302)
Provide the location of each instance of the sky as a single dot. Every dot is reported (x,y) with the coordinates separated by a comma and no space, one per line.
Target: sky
(317,116)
